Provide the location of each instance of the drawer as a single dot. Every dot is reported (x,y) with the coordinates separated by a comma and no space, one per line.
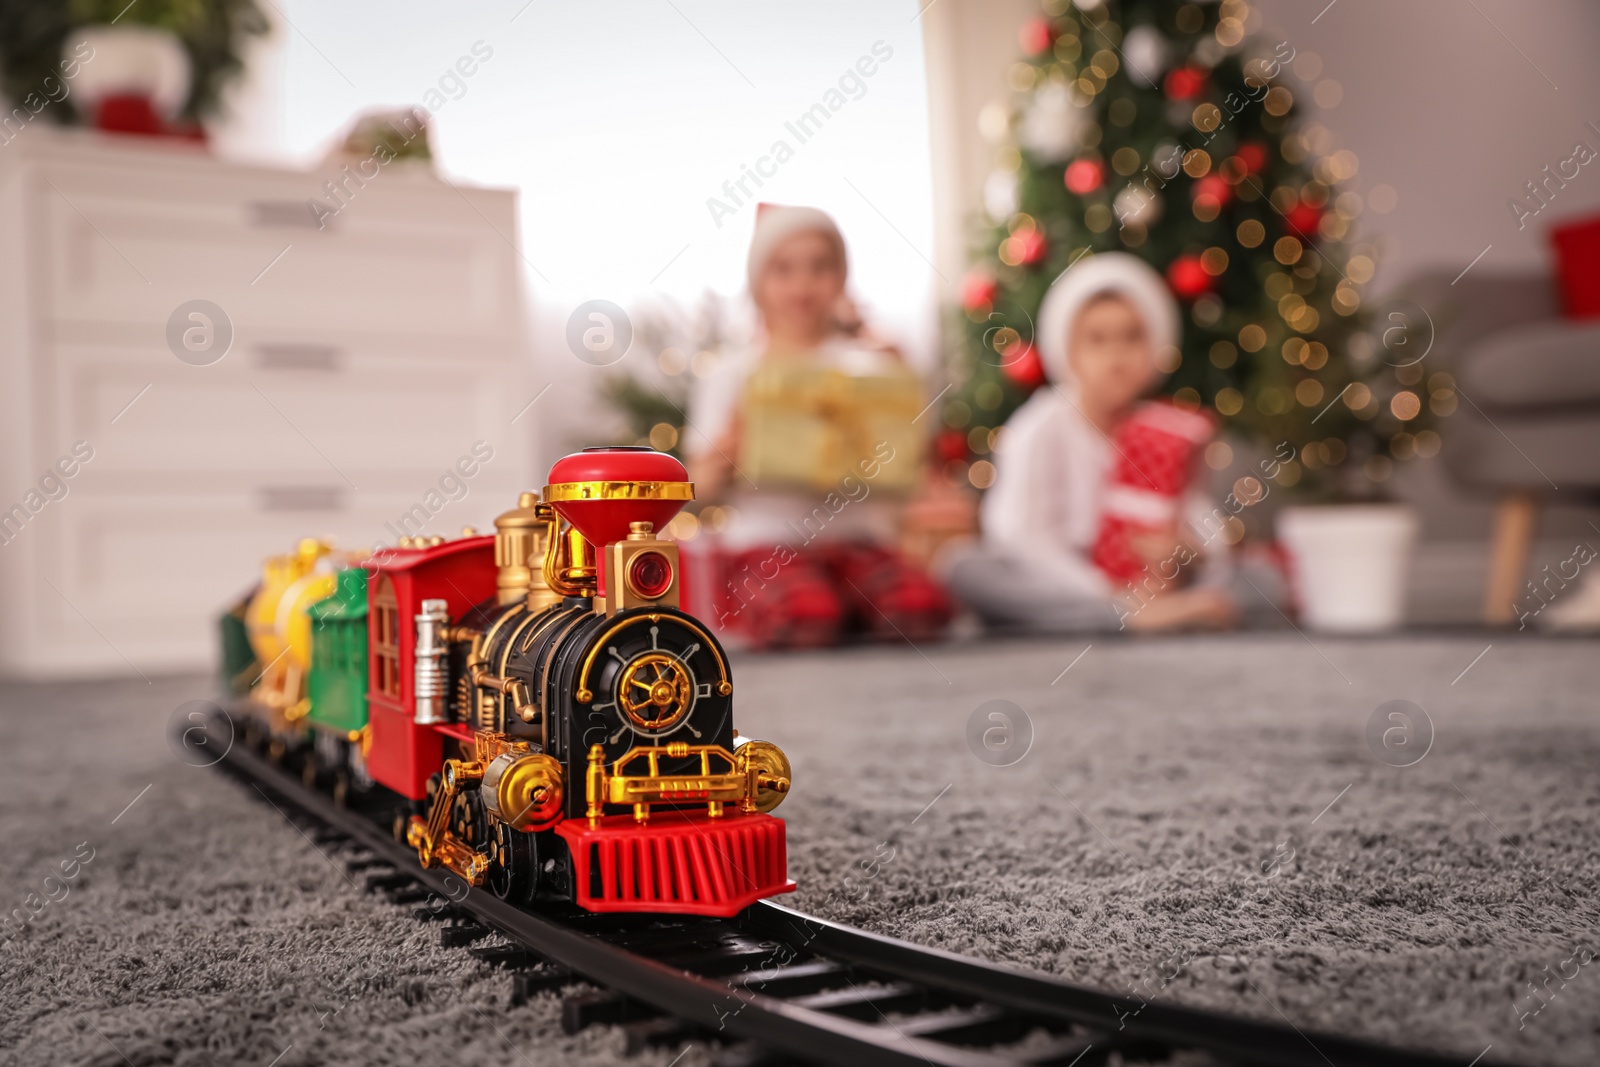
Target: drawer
(407,254)
(352,417)
(152,573)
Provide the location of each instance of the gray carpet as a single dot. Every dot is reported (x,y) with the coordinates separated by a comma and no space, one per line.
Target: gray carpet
(1197,820)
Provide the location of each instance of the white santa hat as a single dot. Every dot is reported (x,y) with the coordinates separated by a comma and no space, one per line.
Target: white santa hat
(776,223)
(1109,272)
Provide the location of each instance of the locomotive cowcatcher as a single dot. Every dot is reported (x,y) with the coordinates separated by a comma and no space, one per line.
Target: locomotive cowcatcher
(554,726)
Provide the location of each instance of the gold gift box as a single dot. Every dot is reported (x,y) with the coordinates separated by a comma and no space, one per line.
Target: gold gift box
(810,427)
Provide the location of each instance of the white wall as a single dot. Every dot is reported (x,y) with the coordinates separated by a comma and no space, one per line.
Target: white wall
(1454,104)
(1457,105)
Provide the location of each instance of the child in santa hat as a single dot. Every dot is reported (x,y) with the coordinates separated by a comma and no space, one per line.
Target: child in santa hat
(803,568)
(1095,520)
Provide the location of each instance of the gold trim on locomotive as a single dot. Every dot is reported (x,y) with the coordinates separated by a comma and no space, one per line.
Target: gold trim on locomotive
(628,490)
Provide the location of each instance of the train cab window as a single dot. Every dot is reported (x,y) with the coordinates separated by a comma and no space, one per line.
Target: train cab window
(386,647)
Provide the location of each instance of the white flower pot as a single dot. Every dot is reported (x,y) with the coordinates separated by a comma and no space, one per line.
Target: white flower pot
(1350,564)
(133,59)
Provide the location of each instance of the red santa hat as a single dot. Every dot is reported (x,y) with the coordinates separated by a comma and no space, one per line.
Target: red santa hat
(1093,276)
(775,223)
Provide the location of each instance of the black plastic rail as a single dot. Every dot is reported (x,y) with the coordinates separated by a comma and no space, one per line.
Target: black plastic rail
(777,986)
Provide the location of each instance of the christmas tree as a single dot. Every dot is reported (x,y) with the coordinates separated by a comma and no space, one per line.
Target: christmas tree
(1165,129)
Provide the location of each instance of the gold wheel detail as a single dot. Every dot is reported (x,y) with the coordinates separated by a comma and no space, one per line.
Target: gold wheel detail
(655,691)
(766,771)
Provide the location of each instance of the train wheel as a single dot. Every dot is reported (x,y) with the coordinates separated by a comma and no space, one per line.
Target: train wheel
(468,823)
(555,870)
(514,874)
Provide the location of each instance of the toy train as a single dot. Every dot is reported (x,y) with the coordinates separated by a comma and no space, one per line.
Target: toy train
(532,708)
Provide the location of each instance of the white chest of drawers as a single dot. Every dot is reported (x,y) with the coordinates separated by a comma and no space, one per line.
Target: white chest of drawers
(369,355)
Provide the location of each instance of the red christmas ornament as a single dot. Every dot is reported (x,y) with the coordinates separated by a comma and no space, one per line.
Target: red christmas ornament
(1303,219)
(978,291)
(1029,246)
(1188,278)
(1253,156)
(1085,176)
(1184,83)
(1216,187)
(1037,36)
(1022,365)
(950,446)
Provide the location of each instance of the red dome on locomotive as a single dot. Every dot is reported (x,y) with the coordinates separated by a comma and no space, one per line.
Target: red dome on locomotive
(600,491)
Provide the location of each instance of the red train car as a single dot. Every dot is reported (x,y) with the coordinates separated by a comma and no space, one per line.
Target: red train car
(404,753)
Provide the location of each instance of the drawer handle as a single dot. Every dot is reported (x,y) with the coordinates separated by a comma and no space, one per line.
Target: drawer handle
(302,498)
(283,214)
(297,357)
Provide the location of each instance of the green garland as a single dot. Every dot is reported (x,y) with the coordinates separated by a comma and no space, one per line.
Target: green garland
(32,34)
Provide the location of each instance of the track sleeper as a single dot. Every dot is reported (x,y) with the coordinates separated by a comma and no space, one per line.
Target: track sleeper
(526,984)
(377,881)
(747,1054)
(582,1010)
(868,1002)
(411,894)
(654,1033)
(462,934)
(505,955)
(796,979)
(983,1024)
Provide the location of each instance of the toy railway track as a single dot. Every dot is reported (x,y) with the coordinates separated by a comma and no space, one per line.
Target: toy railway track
(773,986)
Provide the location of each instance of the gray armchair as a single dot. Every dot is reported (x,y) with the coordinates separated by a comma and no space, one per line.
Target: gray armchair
(1527,429)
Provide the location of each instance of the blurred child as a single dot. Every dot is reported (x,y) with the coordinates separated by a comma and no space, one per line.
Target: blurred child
(804,566)
(1088,525)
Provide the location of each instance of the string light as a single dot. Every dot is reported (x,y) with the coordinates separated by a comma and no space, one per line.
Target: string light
(663,437)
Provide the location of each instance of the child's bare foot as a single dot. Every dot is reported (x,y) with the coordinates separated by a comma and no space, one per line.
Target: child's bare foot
(1185,609)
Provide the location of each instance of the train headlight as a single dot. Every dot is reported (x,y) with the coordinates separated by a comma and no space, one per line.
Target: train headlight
(650,575)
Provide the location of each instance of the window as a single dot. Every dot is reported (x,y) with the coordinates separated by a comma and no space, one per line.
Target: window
(386,642)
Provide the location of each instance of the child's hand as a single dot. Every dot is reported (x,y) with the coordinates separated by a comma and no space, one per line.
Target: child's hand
(1161,544)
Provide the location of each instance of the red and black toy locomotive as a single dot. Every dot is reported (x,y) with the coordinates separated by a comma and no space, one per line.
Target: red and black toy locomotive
(555,726)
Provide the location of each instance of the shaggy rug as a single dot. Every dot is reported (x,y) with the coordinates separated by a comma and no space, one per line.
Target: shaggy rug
(1231,823)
